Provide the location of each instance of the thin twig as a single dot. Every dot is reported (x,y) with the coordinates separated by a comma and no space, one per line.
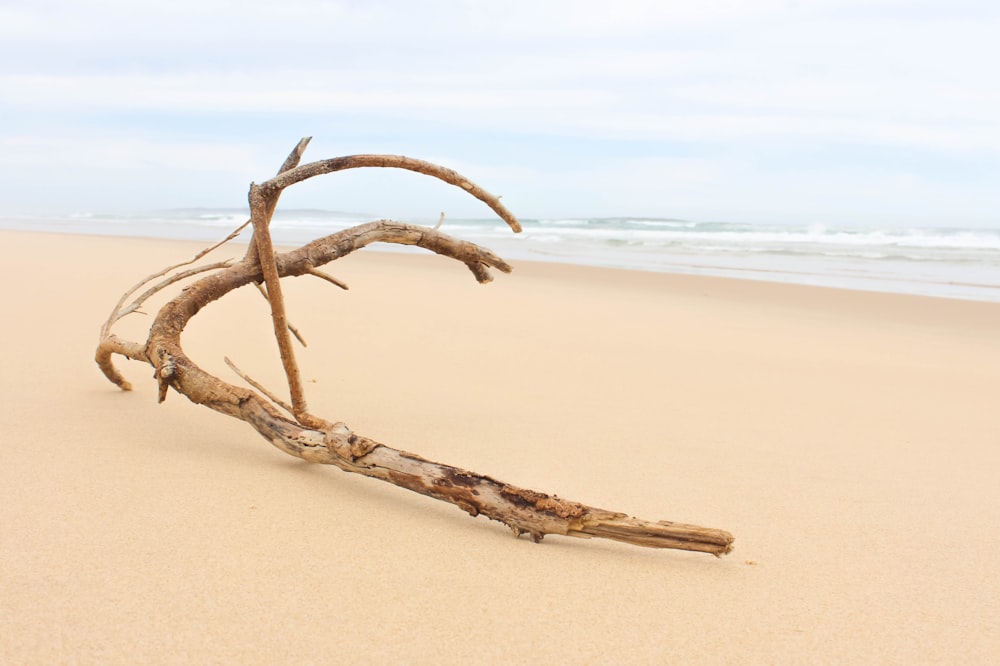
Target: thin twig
(260,387)
(115,316)
(329,278)
(160,286)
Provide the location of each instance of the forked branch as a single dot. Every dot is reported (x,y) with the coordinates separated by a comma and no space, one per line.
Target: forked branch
(317,440)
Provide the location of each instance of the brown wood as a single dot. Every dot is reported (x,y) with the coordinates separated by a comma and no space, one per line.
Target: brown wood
(312,438)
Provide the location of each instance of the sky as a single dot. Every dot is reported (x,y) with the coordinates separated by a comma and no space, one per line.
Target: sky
(825,111)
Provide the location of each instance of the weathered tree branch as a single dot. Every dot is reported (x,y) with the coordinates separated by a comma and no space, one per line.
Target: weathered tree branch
(317,440)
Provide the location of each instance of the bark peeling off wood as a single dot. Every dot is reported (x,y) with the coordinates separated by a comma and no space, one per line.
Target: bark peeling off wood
(314,439)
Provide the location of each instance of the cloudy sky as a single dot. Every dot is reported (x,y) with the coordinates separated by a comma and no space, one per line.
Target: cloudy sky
(819,111)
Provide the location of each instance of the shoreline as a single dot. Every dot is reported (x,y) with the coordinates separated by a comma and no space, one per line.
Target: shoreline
(831,431)
(773,275)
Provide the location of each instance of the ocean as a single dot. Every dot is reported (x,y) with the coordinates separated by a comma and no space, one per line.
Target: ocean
(942,261)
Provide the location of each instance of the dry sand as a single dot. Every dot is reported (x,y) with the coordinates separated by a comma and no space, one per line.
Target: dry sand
(849,440)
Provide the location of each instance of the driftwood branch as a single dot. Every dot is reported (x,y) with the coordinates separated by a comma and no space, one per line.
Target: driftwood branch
(314,439)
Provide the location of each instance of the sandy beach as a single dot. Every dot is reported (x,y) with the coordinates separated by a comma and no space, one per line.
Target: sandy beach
(850,441)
